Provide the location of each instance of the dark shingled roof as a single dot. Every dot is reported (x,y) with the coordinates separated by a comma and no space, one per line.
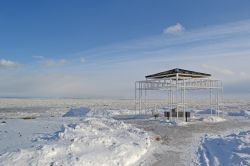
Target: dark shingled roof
(181,73)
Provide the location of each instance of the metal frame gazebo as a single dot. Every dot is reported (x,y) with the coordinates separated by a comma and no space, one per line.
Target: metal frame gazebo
(177,82)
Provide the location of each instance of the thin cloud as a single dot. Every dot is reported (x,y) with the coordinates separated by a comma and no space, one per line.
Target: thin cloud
(38,57)
(223,71)
(54,63)
(8,64)
(111,70)
(225,39)
(174,29)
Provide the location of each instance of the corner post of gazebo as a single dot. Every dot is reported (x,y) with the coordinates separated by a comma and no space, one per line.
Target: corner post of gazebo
(135,97)
(222,100)
(183,99)
(171,97)
(176,95)
(210,96)
(145,99)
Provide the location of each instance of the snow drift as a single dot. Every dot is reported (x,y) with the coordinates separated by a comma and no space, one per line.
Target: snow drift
(231,150)
(240,113)
(213,119)
(77,112)
(94,141)
(206,111)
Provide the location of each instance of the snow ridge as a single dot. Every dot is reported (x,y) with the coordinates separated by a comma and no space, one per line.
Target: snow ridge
(231,150)
(94,141)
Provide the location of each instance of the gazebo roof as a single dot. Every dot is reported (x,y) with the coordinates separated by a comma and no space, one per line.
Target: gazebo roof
(180,72)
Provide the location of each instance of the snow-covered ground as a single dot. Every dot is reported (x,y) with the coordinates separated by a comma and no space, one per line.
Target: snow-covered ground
(213,119)
(67,141)
(231,150)
(106,132)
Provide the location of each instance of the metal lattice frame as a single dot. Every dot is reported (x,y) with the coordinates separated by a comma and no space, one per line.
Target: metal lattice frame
(176,87)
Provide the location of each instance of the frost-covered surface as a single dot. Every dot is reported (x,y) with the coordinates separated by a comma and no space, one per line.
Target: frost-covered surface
(19,108)
(109,112)
(77,112)
(206,111)
(72,131)
(231,150)
(214,119)
(244,113)
(89,141)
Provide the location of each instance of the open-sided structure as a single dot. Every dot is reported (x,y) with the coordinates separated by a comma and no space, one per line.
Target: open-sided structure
(176,83)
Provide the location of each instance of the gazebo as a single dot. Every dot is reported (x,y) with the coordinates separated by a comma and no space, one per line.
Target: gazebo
(176,83)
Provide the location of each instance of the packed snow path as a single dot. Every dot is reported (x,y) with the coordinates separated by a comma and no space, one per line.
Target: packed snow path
(179,144)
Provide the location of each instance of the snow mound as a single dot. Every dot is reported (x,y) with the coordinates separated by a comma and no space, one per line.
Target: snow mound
(77,112)
(94,141)
(207,111)
(231,150)
(240,113)
(213,119)
(109,112)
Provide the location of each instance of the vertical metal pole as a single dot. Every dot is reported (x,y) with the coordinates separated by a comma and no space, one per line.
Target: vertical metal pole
(145,95)
(210,100)
(138,93)
(171,97)
(176,97)
(184,98)
(168,99)
(183,106)
(139,97)
(181,102)
(135,97)
(217,101)
(142,103)
(222,100)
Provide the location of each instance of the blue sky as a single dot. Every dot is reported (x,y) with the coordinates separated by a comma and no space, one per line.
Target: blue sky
(80,48)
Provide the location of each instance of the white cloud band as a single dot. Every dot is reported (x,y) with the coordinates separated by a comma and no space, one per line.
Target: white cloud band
(7,64)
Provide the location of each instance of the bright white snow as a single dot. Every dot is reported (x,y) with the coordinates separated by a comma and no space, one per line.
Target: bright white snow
(230,150)
(214,119)
(106,132)
(240,113)
(91,141)
(77,112)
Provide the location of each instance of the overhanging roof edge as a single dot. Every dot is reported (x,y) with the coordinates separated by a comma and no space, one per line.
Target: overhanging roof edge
(171,73)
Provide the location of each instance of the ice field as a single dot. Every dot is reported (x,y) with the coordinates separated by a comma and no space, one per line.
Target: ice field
(107,132)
